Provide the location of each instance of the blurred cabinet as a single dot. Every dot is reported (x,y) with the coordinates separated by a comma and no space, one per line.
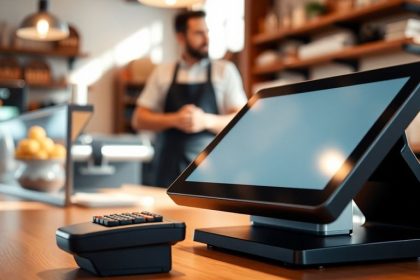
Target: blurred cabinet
(259,16)
(38,57)
(130,81)
(35,53)
(35,63)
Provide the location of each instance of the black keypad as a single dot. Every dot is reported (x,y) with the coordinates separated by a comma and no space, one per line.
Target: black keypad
(113,220)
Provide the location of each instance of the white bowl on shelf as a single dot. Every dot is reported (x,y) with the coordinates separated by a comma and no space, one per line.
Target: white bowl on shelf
(41,175)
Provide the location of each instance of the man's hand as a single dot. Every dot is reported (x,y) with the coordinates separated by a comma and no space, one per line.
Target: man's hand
(183,117)
(198,121)
(191,119)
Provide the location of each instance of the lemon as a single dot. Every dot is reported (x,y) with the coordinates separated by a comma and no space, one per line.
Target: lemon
(37,132)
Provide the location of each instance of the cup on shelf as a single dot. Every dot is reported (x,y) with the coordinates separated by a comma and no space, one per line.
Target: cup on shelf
(298,16)
(271,22)
(340,6)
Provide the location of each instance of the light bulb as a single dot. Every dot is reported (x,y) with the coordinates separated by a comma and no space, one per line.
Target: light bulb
(42,27)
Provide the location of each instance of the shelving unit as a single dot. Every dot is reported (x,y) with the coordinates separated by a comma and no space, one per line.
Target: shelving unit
(129,81)
(347,54)
(257,42)
(39,52)
(64,53)
(126,95)
(52,85)
(355,16)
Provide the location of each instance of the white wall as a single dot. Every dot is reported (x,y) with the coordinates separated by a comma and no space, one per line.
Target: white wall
(112,32)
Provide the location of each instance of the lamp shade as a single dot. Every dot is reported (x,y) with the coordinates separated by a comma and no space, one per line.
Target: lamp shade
(170,3)
(42,26)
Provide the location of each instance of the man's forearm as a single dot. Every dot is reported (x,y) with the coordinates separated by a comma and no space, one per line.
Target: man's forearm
(215,123)
(146,120)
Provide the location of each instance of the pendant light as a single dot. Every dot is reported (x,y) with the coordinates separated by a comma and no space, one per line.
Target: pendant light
(171,3)
(42,26)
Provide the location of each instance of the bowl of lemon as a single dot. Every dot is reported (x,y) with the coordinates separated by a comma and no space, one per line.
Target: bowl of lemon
(41,160)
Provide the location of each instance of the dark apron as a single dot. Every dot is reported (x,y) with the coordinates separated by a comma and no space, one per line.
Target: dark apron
(176,149)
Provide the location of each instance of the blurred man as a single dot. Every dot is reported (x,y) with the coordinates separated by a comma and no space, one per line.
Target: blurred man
(189,101)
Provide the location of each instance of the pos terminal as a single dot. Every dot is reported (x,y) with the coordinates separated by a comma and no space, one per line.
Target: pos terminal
(297,156)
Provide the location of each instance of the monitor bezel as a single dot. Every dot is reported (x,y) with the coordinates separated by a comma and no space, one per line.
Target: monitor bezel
(273,201)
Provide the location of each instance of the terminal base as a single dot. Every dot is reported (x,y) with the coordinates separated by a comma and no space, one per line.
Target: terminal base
(366,243)
(137,260)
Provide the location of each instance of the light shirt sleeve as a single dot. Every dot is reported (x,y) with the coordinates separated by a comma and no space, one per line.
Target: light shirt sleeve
(152,97)
(234,94)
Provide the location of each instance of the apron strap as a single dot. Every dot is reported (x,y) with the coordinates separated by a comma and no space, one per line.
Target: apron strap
(174,77)
(209,73)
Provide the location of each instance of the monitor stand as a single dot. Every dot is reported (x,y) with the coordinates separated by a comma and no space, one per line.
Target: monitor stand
(389,201)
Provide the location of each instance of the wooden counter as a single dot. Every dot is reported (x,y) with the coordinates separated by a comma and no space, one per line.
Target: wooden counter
(28,249)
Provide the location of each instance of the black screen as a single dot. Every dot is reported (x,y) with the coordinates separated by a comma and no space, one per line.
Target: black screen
(299,140)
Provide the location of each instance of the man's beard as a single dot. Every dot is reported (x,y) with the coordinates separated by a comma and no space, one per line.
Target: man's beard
(196,53)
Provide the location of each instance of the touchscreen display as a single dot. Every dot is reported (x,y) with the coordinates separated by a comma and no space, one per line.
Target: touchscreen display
(298,140)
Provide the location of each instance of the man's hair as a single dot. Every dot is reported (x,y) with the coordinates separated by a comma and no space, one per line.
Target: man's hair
(181,20)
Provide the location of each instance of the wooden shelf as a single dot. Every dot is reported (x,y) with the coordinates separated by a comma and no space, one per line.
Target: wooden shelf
(52,85)
(256,42)
(66,54)
(35,52)
(345,54)
(379,9)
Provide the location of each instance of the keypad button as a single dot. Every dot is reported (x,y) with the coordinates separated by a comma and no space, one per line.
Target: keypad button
(115,219)
(110,222)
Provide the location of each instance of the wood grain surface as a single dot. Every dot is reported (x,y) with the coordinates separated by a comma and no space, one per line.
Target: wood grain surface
(28,249)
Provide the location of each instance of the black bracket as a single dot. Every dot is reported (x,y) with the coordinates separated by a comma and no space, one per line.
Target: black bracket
(300,38)
(395,182)
(353,26)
